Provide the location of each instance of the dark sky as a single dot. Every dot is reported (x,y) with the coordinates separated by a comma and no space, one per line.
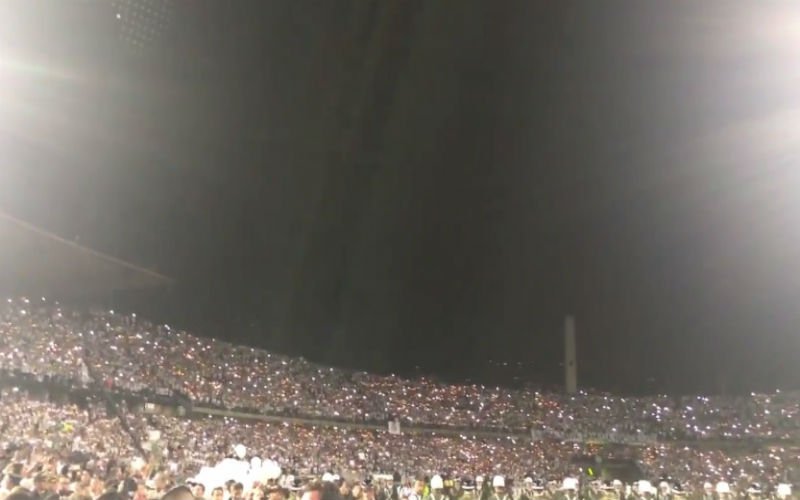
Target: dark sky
(391,184)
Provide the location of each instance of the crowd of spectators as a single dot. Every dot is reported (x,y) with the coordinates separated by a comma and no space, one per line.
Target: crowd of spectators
(124,351)
(84,449)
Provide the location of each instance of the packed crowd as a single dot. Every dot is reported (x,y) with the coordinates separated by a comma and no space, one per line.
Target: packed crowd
(83,451)
(126,352)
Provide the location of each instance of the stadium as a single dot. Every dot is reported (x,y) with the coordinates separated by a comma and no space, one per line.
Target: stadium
(100,388)
(337,179)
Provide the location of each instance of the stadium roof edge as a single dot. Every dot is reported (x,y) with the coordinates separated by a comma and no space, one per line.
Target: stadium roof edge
(36,259)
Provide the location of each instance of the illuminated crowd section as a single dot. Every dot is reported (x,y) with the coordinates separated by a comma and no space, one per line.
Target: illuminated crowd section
(184,446)
(126,352)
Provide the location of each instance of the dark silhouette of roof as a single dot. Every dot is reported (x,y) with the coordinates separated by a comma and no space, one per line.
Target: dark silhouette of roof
(35,261)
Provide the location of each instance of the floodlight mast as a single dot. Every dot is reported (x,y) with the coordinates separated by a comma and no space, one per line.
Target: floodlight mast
(570,359)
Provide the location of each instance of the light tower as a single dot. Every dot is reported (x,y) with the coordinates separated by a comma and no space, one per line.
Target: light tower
(570,359)
(142,23)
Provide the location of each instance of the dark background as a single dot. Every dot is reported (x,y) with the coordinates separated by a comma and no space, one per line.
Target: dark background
(422,187)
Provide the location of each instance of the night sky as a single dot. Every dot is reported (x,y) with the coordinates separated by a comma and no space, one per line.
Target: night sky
(393,185)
